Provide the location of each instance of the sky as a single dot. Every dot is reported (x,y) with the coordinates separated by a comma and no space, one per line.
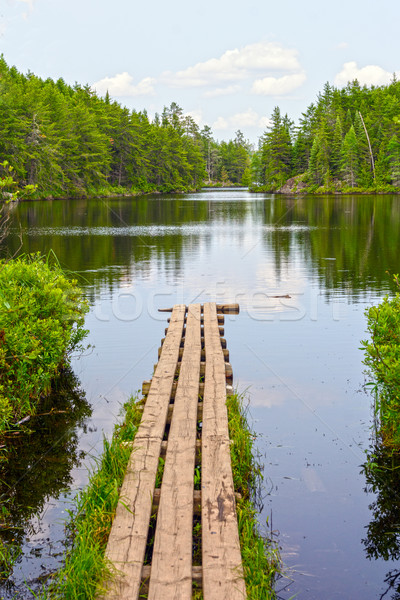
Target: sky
(226,63)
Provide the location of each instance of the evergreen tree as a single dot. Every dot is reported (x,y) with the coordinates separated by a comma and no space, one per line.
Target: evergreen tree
(256,168)
(241,158)
(350,160)
(319,158)
(277,151)
(393,155)
(335,161)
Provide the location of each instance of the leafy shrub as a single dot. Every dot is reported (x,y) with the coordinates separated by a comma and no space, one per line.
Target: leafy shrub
(41,322)
(382,357)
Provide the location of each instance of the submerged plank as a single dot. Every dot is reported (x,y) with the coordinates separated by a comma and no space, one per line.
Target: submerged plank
(128,537)
(171,570)
(222,563)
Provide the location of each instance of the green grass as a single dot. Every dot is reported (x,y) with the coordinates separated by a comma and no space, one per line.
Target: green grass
(260,554)
(9,554)
(90,523)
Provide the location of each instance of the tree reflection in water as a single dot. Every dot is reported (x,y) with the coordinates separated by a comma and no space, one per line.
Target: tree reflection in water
(382,473)
(40,459)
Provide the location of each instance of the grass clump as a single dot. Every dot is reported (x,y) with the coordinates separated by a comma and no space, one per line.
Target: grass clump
(41,322)
(260,554)
(9,554)
(90,523)
(382,357)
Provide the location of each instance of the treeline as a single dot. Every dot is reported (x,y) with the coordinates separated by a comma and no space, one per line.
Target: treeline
(68,141)
(227,163)
(348,139)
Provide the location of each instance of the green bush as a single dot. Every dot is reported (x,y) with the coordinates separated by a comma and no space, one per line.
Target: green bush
(382,357)
(41,322)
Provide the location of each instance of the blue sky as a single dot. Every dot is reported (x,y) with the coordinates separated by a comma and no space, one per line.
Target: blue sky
(227,63)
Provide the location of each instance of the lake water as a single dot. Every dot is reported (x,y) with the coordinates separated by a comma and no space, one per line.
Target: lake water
(298,358)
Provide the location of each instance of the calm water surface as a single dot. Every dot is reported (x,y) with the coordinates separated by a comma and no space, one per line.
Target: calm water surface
(298,359)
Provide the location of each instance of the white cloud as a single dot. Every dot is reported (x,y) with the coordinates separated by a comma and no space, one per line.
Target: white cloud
(368,75)
(236,65)
(197,116)
(122,85)
(278,86)
(248,118)
(29,3)
(220,123)
(225,91)
(265,122)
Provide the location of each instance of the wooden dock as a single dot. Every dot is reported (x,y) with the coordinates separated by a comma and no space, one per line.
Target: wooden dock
(184,423)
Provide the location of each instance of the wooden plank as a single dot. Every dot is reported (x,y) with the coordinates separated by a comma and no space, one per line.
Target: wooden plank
(171,569)
(128,536)
(221,319)
(164,446)
(222,563)
(196,500)
(146,388)
(146,572)
(232,309)
(225,352)
(221,308)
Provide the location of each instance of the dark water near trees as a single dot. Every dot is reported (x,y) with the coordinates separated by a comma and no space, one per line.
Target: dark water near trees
(299,358)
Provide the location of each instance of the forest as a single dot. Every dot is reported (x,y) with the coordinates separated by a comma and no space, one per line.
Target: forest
(346,141)
(67,141)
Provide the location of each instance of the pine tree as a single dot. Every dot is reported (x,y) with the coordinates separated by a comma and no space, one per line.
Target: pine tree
(393,155)
(256,168)
(319,158)
(335,161)
(350,160)
(277,151)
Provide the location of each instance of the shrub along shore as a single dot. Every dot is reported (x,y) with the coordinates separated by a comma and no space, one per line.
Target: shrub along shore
(90,521)
(42,317)
(382,357)
(41,323)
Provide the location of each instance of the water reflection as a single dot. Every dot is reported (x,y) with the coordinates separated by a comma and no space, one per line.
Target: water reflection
(359,233)
(39,461)
(344,241)
(382,475)
(300,354)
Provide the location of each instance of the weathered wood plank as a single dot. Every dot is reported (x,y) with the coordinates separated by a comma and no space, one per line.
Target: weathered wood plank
(171,569)
(146,388)
(225,352)
(128,537)
(221,319)
(221,308)
(196,500)
(196,576)
(222,563)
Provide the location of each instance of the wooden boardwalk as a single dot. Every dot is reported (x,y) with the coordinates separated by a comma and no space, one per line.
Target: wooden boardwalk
(184,422)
